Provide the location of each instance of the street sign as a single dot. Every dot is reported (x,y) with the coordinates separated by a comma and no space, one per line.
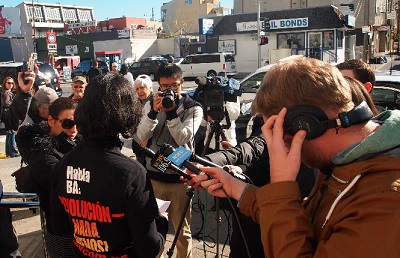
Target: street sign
(51,40)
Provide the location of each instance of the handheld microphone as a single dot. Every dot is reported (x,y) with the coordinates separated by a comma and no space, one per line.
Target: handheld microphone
(162,163)
(181,156)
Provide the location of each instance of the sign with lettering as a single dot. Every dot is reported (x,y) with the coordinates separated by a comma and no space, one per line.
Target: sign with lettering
(81,24)
(124,34)
(206,26)
(288,23)
(227,46)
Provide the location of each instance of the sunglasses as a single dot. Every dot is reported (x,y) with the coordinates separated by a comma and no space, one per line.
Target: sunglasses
(80,87)
(9,82)
(67,123)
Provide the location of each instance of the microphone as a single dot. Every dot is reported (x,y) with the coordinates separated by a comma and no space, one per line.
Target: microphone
(181,156)
(201,81)
(162,163)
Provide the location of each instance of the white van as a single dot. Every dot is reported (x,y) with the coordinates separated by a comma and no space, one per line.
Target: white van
(209,64)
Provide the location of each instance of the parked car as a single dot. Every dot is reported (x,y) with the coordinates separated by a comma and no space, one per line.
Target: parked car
(209,64)
(84,66)
(12,69)
(146,66)
(386,97)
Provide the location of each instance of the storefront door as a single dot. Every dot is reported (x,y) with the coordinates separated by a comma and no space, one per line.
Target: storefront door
(314,44)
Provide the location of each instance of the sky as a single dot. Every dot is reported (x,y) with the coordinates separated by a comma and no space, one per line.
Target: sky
(104,9)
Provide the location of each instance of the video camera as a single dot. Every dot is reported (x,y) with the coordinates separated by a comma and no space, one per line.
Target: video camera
(213,92)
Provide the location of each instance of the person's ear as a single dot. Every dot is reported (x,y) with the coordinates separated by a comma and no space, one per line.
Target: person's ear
(368,86)
(51,121)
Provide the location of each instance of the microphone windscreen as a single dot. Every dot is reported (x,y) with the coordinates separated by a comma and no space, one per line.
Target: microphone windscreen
(201,80)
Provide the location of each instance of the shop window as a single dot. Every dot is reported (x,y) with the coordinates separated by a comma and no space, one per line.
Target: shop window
(328,39)
(291,40)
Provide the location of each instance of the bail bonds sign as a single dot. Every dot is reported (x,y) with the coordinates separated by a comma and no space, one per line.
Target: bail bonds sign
(288,23)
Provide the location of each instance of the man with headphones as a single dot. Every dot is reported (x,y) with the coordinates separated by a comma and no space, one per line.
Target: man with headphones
(353,208)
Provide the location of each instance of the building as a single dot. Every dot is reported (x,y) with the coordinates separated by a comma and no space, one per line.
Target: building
(316,32)
(381,16)
(180,17)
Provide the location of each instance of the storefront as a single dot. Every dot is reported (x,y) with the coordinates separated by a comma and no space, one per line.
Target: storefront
(313,32)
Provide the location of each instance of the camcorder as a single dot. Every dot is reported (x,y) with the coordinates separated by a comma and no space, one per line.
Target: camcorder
(213,92)
(169,97)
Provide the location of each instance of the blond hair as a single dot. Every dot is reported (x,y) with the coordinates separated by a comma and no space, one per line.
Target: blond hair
(303,81)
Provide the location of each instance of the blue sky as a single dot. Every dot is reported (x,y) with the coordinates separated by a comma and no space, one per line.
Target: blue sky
(104,9)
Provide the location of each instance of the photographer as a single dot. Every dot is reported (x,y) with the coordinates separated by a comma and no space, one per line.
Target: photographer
(173,118)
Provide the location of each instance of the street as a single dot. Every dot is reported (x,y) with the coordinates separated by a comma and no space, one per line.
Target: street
(27,223)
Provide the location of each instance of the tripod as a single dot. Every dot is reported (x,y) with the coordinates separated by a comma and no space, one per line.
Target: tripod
(217,130)
(189,194)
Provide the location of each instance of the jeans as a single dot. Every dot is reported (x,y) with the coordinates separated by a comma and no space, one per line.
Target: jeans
(11,145)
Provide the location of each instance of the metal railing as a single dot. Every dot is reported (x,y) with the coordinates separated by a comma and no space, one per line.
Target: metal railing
(324,54)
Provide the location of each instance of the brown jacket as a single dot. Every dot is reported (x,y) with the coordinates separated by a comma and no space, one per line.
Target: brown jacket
(365,221)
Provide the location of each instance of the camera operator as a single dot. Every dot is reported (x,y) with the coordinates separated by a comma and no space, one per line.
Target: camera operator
(221,109)
(173,118)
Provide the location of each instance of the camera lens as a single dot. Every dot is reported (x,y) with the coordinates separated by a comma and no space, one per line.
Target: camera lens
(167,101)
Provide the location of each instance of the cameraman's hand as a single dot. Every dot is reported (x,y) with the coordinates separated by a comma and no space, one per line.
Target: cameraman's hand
(157,103)
(226,144)
(157,106)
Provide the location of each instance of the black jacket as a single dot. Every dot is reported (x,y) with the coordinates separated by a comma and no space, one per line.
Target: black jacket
(252,156)
(106,199)
(41,152)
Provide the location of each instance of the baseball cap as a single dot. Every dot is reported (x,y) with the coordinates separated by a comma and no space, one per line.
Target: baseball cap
(114,64)
(79,78)
(45,95)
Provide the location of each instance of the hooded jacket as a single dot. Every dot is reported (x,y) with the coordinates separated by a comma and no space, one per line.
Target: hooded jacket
(353,211)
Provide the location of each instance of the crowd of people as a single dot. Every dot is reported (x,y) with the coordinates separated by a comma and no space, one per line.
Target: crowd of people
(322,164)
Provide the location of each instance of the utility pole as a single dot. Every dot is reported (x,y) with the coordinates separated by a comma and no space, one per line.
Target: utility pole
(366,48)
(33,27)
(258,33)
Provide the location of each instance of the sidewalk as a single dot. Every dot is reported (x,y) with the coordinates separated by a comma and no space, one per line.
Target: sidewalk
(27,224)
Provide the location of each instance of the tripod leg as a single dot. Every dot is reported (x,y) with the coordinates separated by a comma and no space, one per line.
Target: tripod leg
(208,140)
(189,194)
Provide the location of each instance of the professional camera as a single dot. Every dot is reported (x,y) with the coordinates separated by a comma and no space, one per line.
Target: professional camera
(169,97)
(213,92)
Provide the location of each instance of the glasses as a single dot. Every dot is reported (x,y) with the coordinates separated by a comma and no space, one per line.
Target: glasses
(67,123)
(9,83)
(173,86)
(80,87)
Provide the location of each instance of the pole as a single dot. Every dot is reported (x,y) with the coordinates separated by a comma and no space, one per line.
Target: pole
(33,27)
(258,33)
(366,36)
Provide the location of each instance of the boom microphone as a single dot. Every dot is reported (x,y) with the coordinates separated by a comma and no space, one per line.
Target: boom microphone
(162,163)
(181,156)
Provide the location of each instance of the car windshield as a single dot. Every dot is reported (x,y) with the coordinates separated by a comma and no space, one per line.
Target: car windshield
(252,84)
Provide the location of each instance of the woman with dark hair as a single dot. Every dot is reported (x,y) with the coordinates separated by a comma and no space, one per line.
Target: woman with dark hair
(42,145)
(7,95)
(99,195)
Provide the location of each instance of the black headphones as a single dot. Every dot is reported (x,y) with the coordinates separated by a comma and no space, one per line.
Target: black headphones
(315,121)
